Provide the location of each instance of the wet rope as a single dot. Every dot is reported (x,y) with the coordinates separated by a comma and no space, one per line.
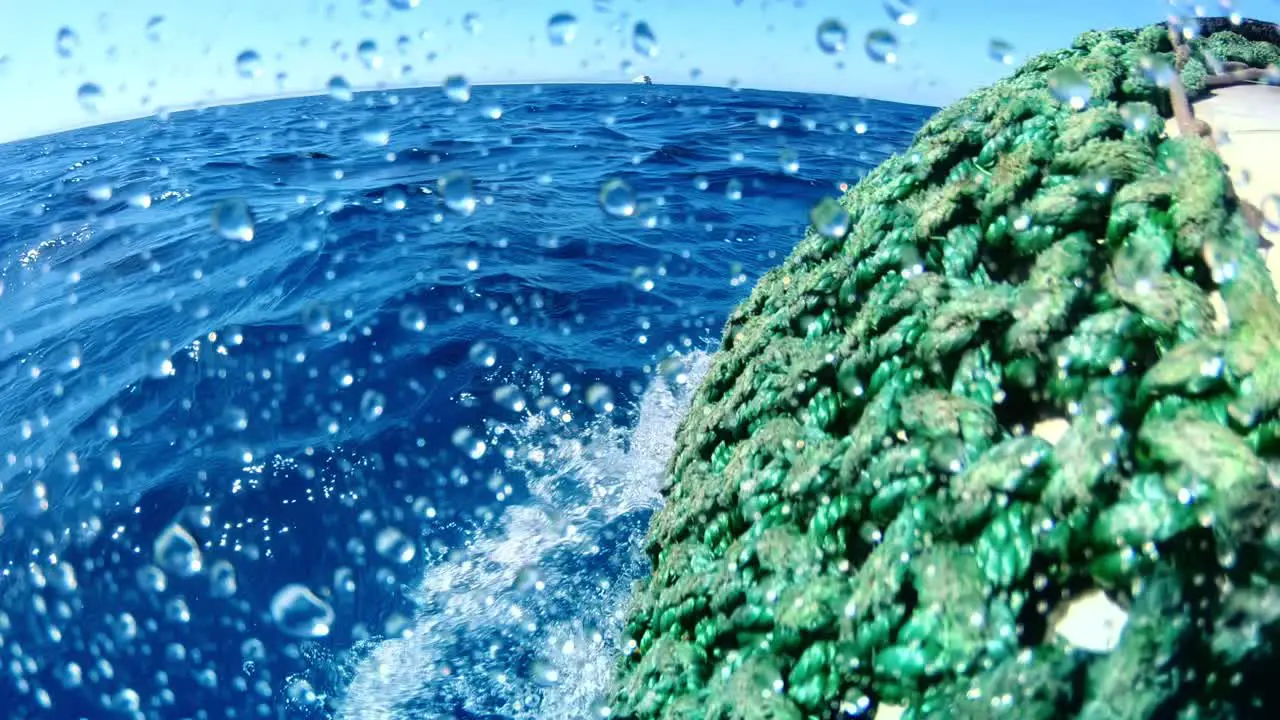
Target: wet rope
(865,508)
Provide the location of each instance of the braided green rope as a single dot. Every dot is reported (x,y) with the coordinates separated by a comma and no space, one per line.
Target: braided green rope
(859,514)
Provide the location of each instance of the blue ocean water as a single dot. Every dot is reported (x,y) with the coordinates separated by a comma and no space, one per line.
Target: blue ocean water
(313,408)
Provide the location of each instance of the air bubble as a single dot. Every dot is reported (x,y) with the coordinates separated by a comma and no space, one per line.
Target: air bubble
(299,612)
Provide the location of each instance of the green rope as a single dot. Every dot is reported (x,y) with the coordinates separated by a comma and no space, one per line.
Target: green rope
(859,514)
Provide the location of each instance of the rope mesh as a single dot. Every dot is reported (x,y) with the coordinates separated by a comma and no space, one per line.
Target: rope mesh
(861,511)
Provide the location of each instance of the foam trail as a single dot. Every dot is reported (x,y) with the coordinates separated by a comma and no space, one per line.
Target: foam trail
(523,622)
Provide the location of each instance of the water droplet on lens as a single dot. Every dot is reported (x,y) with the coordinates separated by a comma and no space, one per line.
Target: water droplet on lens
(510,397)
(177,552)
(1270,209)
(340,89)
(832,36)
(471,23)
(316,319)
(249,64)
(394,546)
(830,218)
(458,192)
(299,612)
(375,132)
(89,94)
(233,220)
(1069,86)
(155,28)
(1138,116)
(404,4)
(562,28)
(394,200)
(701,182)
(789,161)
(882,46)
(457,89)
(733,189)
(617,198)
(467,442)
(413,318)
(367,51)
(66,42)
(1000,51)
(600,398)
(642,278)
(372,405)
(483,355)
(643,40)
(769,118)
(902,12)
(1158,69)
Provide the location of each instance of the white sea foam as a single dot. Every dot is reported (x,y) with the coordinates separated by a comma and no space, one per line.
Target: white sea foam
(524,620)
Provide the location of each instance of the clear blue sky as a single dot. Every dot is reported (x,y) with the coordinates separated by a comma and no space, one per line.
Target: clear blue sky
(755,43)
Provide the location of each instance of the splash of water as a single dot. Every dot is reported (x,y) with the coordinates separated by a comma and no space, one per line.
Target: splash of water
(523,621)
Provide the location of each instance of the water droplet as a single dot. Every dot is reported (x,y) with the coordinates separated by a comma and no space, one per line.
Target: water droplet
(154,28)
(617,198)
(882,47)
(1158,69)
(236,418)
(316,319)
(458,192)
(1069,86)
(404,4)
(66,42)
(367,52)
(394,546)
(100,191)
(249,64)
(642,278)
(177,552)
(483,355)
(457,89)
(493,112)
(562,28)
(789,161)
(467,442)
(1138,116)
(394,200)
(372,405)
(733,189)
(340,89)
(600,398)
(643,40)
(544,673)
(902,12)
(413,318)
(1270,209)
(233,220)
(375,132)
(471,23)
(770,118)
(700,182)
(299,612)
(832,36)
(222,579)
(1001,51)
(510,397)
(89,94)
(830,218)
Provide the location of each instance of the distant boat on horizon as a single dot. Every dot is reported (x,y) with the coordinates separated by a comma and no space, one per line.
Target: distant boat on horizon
(642,79)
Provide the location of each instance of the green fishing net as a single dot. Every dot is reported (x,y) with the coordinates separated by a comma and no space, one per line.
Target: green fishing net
(1010,385)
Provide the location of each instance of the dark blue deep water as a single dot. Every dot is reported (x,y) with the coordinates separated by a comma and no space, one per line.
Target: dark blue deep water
(393,456)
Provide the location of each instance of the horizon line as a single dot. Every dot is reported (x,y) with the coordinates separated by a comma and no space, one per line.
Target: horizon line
(163,113)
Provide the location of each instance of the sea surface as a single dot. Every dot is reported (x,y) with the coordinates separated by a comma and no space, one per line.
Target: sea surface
(359,409)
